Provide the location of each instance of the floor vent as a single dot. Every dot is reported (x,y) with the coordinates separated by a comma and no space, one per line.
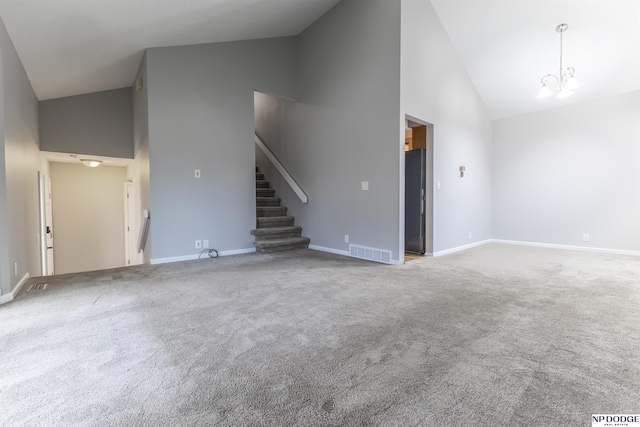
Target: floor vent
(37,287)
(371,254)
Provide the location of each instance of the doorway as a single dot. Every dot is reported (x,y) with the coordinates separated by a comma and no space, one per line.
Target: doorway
(418,186)
(46,225)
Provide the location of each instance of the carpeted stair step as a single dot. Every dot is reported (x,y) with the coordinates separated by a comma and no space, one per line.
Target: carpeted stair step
(272,233)
(265,192)
(274,221)
(267,201)
(262,211)
(279,245)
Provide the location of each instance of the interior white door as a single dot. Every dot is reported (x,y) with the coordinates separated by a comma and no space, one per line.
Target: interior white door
(48,227)
(129,233)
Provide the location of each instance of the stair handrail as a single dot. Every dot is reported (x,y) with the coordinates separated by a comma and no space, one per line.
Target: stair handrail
(276,163)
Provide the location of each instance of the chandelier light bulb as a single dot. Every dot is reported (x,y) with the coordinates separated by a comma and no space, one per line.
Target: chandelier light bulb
(572,83)
(544,91)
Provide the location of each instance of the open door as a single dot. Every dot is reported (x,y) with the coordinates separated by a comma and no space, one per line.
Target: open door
(46,225)
(130,237)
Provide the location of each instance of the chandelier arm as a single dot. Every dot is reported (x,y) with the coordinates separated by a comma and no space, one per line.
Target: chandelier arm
(544,78)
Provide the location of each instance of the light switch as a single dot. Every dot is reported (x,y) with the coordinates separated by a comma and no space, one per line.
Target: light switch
(197,174)
(437,185)
(365,185)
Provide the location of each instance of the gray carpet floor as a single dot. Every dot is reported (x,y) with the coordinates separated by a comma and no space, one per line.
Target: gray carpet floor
(497,335)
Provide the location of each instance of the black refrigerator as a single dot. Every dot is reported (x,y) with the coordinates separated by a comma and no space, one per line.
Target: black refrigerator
(414,200)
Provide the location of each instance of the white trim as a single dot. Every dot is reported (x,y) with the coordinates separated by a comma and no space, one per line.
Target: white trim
(568,247)
(345,253)
(197,256)
(461,248)
(329,250)
(11,295)
(174,259)
(294,185)
(237,252)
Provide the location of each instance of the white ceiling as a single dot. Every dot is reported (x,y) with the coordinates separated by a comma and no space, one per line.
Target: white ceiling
(70,47)
(508,45)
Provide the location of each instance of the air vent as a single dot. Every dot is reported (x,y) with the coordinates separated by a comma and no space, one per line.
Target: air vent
(371,254)
(37,287)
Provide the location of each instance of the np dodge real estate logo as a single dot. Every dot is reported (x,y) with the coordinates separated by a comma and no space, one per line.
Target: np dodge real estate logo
(615,420)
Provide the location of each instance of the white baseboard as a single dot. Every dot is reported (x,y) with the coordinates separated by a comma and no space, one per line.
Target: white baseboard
(343,253)
(329,250)
(198,255)
(461,248)
(568,247)
(237,252)
(11,295)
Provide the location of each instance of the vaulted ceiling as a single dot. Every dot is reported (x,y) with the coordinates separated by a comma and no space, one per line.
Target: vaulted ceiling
(70,47)
(508,45)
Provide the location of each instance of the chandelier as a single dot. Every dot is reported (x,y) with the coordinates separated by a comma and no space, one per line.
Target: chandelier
(565,81)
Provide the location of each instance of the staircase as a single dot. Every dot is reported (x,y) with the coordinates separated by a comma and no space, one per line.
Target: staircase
(274,231)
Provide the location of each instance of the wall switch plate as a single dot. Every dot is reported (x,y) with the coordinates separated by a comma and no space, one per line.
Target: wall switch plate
(470,234)
(205,243)
(15,268)
(437,185)
(198,244)
(197,173)
(346,238)
(586,238)
(365,185)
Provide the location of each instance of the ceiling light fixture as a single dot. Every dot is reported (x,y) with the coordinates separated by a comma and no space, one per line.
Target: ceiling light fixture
(92,163)
(565,80)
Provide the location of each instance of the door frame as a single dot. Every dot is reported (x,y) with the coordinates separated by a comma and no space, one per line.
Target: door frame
(429,186)
(46,268)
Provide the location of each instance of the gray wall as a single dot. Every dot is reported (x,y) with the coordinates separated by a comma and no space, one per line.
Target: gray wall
(200,112)
(344,128)
(5,277)
(19,221)
(138,172)
(88,217)
(99,124)
(564,172)
(437,90)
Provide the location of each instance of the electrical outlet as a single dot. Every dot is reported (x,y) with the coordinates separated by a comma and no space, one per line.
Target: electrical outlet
(437,185)
(197,173)
(346,238)
(205,243)
(470,235)
(364,185)
(586,237)
(15,268)
(198,244)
